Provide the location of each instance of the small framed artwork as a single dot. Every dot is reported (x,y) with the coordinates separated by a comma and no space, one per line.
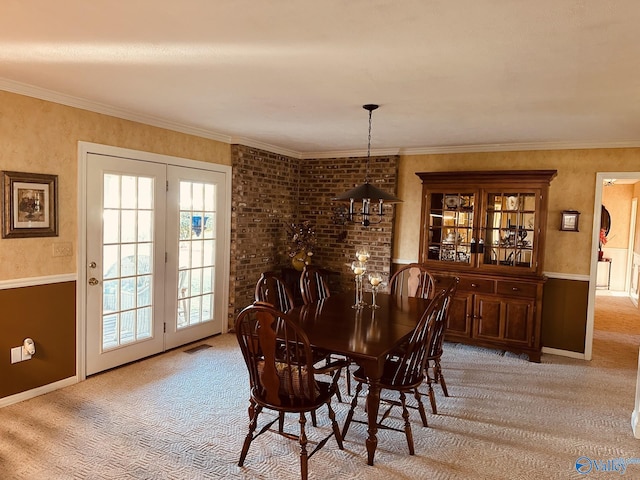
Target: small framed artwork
(30,205)
(570,220)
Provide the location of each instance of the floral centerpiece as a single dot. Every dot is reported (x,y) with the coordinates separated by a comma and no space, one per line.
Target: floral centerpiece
(302,244)
(603,241)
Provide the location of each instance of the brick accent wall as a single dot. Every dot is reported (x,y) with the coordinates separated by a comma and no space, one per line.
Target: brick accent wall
(324,179)
(264,198)
(271,191)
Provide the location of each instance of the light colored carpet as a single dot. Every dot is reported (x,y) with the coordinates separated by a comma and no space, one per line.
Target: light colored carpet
(184,416)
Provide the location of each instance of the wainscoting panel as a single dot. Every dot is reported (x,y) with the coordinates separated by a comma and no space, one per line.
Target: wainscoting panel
(47,314)
(564,314)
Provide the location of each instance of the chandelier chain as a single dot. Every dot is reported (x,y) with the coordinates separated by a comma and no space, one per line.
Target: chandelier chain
(366,177)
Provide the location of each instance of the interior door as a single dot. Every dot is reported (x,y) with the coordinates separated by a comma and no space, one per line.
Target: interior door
(125,260)
(196,209)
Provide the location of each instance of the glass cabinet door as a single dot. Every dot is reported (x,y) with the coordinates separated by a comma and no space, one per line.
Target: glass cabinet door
(509,229)
(450,227)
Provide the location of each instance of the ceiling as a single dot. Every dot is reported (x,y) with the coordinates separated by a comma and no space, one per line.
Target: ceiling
(292,76)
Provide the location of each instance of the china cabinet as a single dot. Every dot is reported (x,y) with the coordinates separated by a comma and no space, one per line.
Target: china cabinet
(488,229)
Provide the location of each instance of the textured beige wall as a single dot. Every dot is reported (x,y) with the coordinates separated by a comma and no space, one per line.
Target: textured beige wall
(617,200)
(572,189)
(37,136)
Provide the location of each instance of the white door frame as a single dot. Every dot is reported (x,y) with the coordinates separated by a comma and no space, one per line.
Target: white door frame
(595,238)
(84,149)
(632,239)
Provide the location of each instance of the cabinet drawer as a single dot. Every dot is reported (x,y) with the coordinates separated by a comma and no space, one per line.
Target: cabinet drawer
(517,289)
(480,285)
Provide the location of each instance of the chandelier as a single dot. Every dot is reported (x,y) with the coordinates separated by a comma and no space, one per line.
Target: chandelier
(367,193)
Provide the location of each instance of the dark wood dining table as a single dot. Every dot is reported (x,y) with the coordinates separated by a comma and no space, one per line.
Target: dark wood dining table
(364,335)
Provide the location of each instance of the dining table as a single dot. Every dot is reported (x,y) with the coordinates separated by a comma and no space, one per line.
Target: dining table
(363,334)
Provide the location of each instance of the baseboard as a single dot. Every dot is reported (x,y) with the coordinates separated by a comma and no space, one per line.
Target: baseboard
(563,353)
(635,426)
(36,392)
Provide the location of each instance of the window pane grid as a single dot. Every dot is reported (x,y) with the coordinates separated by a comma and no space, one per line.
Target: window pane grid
(196,260)
(127,259)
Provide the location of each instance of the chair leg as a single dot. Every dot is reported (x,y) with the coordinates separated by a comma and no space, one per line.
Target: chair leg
(354,404)
(348,380)
(314,420)
(423,414)
(336,377)
(253,413)
(304,458)
(440,377)
(334,425)
(407,424)
(281,422)
(432,396)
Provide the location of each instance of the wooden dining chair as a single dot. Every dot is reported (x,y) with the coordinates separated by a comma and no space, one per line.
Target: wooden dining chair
(412,280)
(404,371)
(282,380)
(314,286)
(271,289)
(433,369)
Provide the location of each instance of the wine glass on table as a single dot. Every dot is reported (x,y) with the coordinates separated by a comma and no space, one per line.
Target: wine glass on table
(375,279)
(359,269)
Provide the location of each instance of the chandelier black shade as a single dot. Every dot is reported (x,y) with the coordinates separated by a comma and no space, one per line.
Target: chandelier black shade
(367,193)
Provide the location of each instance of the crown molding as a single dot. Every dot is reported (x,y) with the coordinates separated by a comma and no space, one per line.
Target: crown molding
(96,107)
(517,147)
(247,142)
(382,152)
(125,114)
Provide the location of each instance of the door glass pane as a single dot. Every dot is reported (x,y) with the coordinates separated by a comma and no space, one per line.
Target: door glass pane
(128,264)
(197,222)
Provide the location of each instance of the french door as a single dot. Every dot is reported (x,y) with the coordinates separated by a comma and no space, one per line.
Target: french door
(155,237)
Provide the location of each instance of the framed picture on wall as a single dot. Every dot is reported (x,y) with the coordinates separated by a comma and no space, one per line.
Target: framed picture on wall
(569,220)
(30,205)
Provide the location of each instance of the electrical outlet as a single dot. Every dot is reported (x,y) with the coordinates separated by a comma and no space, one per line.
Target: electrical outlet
(62,249)
(16,354)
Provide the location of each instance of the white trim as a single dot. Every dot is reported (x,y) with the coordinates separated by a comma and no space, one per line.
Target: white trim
(247,142)
(635,424)
(595,237)
(568,276)
(632,239)
(86,148)
(403,261)
(35,281)
(36,392)
(380,152)
(77,102)
(563,353)
(517,147)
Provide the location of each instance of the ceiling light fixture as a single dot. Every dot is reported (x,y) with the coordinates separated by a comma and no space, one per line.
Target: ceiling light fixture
(609,182)
(367,193)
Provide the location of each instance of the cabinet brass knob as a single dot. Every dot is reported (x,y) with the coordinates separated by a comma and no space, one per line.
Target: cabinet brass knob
(515,289)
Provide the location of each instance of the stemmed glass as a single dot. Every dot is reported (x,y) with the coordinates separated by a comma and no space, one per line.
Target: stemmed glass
(375,279)
(359,269)
(362,254)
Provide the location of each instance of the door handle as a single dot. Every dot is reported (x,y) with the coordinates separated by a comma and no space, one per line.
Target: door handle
(92,265)
(93,281)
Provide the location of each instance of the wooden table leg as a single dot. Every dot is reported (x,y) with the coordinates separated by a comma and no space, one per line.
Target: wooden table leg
(373,404)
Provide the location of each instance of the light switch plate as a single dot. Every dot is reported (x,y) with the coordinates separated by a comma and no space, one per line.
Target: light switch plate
(62,249)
